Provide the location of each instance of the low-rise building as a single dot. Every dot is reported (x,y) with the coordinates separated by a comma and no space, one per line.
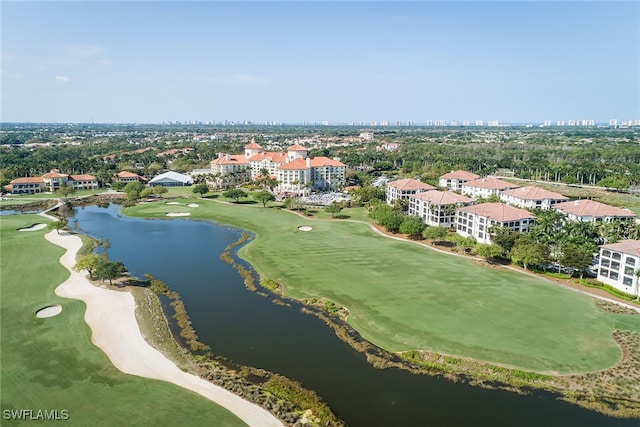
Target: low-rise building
(83,182)
(27,185)
(126,177)
(619,264)
(454,179)
(592,211)
(475,221)
(486,187)
(52,181)
(437,207)
(171,179)
(532,198)
(405,188)
(228,163)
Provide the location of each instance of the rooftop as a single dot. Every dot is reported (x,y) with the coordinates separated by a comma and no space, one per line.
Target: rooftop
(631,247)
(442,197)
(498,212)
(534,193)
(460,174)
(408,184)
(590,208)
(491,183)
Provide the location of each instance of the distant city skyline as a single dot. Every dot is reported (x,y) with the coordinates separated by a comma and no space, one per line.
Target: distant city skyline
(320,62)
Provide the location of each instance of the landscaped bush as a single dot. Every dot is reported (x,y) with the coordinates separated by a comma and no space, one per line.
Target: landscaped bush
(590,283)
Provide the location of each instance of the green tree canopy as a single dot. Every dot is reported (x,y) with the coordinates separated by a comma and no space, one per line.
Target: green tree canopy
(201,189)
(577,257)
(57,225)
(235,194)
(527,252)
(89,262)
(434,233)
(109,270)
(264,197)
(488,250)
(413,226)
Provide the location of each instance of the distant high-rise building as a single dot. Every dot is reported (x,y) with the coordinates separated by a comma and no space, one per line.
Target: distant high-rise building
(547,123)
(479,123)
(466,123)
(613,122)
(325,123)
(560,123)
(454,123)
(493,123)
(429,123)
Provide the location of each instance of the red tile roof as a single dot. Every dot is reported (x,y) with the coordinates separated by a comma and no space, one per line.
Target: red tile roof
(591,208)
(631,247)
(410,184)
(325,161)
(468,176)
(534,193)
(54,175)
(28,180)
(498,212)
(83,177)
(252,145)
(234,159)
(269,155)
(297,164)
(490,183)
(442,197)
(297,147)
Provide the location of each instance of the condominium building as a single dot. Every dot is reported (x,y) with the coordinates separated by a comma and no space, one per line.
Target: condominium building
(592,211)
(532,198)
(454,179)
(486,187)
(405,188)
(619,264)
(475,221)
(437,208)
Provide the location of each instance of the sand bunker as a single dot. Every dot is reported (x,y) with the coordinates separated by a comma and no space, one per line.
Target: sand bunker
(34,227)
(50,311)
(305,228)
(178,214)
(173,203)
(193,205)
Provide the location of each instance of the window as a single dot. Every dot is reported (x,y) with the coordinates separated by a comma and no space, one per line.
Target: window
(613,275)
(605,262)
(630,261)
(616,255)
(615,265)
(606,253)
(629,271)
(627,281)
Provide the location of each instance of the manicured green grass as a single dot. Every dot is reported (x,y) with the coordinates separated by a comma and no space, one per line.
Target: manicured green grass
(51,363)
(403,296)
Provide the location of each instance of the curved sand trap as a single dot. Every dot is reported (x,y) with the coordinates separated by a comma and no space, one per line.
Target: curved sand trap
(193,205)
(173,203)
(50,311)
(177,214)
(305,228)
(34,227)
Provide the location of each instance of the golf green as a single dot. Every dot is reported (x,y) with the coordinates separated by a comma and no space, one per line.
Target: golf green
(403,296)
(50,363)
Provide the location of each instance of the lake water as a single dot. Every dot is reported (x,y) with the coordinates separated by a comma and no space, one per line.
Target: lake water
(251,330)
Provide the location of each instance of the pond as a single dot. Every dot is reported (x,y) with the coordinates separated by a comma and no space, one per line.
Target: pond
(251,330)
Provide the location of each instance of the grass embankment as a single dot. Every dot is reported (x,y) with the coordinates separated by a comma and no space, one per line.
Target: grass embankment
(52,364)
(403,297)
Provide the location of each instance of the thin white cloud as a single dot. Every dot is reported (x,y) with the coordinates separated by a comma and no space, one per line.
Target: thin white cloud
(62,79)
(242,80)
(82,51)
(11,75)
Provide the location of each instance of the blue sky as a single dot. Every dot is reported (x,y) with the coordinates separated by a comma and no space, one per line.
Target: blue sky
(149,62)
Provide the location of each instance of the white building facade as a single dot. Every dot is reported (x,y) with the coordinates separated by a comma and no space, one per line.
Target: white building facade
(405,188)
(437,208)
(454,179)
(619,263)
(532,198)
(475,221)
(486,187)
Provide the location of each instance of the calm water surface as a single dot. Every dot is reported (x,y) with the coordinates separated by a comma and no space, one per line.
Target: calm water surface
(251,330)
